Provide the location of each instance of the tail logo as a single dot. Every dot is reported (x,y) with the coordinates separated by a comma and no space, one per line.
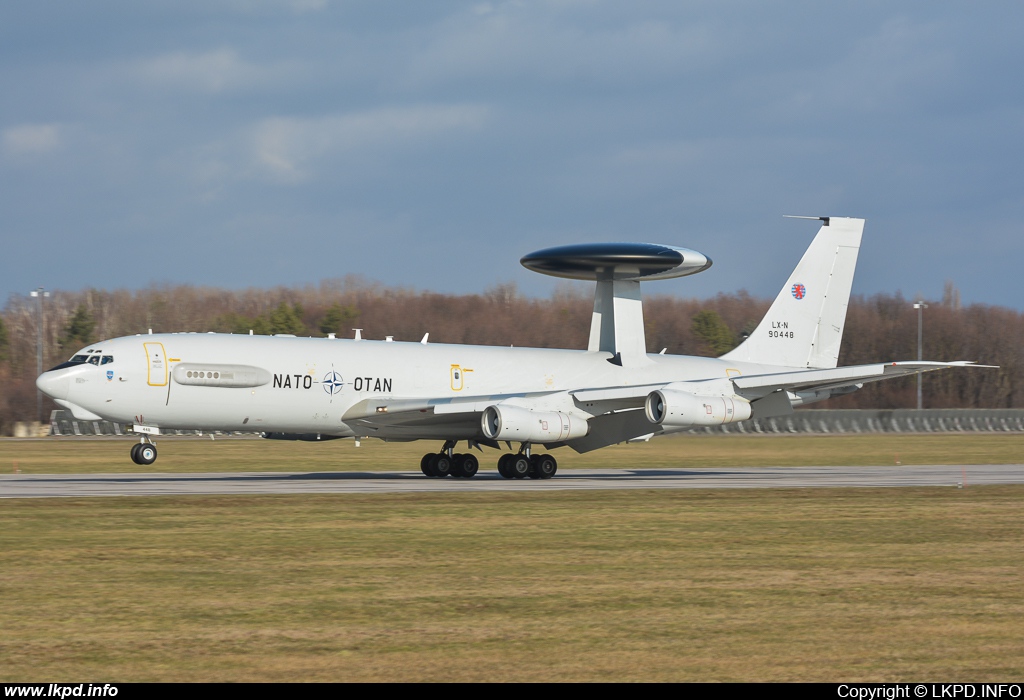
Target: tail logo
(799,291)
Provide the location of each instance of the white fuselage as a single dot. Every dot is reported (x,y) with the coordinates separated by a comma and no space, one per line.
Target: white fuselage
(308,385)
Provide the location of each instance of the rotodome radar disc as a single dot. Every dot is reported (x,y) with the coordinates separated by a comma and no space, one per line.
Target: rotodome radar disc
(616,261)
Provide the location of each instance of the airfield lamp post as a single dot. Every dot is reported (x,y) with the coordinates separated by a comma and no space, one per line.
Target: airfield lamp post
(39,293)
(920,306)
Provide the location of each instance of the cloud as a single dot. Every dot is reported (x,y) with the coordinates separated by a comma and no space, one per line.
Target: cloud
(207,72)
(284,147)
(31,139)
(515,39)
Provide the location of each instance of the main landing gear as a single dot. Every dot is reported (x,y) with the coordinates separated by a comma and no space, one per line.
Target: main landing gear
(511,466)
(520,466)
(444,463)
(144,453)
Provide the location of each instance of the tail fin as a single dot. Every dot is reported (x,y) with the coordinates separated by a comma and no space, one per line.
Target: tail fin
(804,326)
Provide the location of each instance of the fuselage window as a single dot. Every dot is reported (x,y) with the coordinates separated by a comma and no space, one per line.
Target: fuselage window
(107,359)
(94,360)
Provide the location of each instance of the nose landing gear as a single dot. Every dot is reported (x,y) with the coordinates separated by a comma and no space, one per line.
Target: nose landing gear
(144,453)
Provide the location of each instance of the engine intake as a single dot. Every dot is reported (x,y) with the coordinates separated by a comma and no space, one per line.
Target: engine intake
(681,409)
(522,424)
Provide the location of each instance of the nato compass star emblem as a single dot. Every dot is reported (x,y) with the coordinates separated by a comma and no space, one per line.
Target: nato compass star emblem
(333,383)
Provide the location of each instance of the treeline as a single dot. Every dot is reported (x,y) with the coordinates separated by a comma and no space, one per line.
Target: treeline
(879,328)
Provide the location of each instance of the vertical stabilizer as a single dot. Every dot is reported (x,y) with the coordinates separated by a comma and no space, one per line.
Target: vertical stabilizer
(804,326)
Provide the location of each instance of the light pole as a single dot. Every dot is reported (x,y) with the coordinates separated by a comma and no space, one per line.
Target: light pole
(920,306)
(39,293)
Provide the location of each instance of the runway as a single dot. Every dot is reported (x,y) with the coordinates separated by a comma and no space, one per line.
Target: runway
(251,483)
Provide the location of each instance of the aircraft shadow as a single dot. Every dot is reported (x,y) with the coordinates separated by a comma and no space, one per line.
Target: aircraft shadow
(341,476)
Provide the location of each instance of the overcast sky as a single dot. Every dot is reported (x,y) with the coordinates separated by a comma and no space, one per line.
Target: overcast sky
(432,144)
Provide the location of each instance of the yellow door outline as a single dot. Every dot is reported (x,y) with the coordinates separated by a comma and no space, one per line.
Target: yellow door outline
(156,364)
(458,381)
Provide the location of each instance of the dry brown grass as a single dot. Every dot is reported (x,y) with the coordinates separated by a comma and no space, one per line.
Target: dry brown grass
(811,584)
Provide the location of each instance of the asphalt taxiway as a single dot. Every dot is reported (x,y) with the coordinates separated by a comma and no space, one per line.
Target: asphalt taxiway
(156,484)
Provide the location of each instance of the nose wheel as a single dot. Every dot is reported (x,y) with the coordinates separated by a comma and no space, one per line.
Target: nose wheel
(143,453)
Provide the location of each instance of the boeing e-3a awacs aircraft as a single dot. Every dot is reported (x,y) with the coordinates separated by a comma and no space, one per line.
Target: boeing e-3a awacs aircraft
(323,388)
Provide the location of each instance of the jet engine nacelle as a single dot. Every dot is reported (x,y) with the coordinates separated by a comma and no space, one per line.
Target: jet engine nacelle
(681,409)
(522,424)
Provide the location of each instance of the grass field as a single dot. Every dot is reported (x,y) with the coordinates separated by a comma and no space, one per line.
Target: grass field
(809,584)
(180,454)
(843,584)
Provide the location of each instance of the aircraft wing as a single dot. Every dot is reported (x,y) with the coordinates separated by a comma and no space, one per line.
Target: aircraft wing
(615,409)
(394,417)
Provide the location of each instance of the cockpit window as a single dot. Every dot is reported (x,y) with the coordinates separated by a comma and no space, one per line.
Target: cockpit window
(107,359)
(73,362)
(94,360)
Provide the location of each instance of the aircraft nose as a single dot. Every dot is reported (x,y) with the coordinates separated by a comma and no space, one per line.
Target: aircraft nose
(54,383)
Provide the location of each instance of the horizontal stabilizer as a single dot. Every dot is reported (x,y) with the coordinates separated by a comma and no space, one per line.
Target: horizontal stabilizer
(756,386)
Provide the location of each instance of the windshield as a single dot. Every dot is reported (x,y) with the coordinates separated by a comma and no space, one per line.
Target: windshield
(84,359)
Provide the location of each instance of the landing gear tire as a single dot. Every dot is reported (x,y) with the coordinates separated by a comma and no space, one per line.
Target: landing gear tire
(533,473)
(146,454)
(442,466)
(465,466)
(425,466)
(519,467)
(544,467)
(503,466)
(135,453)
